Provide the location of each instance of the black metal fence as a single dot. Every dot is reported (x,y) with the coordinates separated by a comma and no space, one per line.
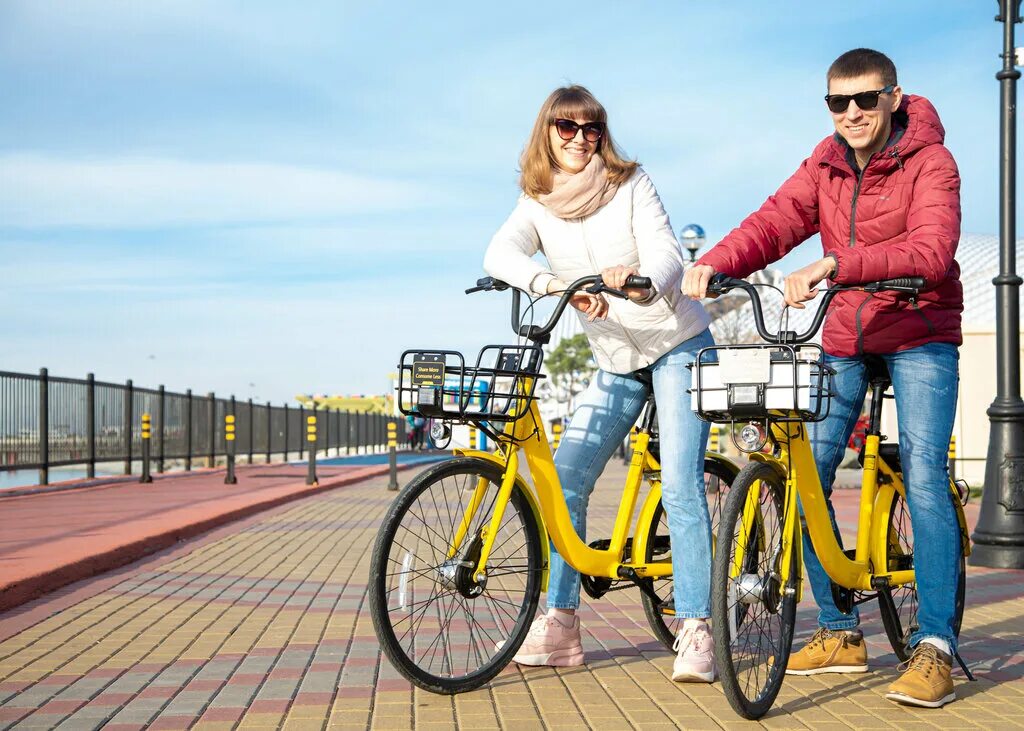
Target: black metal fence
(47,421)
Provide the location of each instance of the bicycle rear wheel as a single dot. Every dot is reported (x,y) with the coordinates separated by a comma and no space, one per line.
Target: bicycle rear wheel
(753,612)
(718,476)
(441,629)
(898,604)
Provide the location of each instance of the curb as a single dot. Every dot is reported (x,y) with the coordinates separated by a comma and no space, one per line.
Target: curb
(25,590)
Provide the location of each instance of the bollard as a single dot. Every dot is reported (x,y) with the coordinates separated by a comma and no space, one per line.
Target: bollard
(952,457)
(714,440)
(229,439)
(556,430)
(393,455)
(146,423)
(472,437)
(311,438)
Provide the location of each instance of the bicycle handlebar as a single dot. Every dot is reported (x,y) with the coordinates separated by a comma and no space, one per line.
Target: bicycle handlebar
(593,284)
(720,284)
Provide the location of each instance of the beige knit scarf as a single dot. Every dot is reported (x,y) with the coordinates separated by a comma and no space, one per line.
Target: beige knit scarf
(579,195)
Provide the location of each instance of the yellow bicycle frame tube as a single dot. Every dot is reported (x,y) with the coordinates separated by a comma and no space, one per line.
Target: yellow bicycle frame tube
(803,472)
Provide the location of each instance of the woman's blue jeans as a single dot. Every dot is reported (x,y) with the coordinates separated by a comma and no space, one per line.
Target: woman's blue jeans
(605,412)
(925,381)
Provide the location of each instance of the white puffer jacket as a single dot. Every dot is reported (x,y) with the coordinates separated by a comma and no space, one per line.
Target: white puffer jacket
(632,230)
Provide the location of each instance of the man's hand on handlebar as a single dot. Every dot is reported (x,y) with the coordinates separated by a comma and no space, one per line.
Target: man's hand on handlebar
(594,306)
(801,285)
(695,282)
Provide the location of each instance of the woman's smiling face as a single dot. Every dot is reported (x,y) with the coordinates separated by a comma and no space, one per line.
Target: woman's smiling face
(571,155)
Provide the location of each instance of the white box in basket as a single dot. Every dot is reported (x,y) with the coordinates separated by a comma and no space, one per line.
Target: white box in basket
(779,395)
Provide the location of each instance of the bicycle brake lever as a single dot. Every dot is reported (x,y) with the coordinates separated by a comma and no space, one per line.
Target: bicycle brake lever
(600,287)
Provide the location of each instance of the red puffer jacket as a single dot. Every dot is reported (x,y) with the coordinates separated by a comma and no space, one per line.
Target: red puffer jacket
(899,218)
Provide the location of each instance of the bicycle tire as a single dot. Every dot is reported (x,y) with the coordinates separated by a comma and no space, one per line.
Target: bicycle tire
(767,602)
(718,476)
(898,605)
(490,628)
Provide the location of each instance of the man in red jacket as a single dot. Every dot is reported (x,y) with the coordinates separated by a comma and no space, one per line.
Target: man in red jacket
(884,194)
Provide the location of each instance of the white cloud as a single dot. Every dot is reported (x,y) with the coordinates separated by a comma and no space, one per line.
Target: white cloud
(158,192)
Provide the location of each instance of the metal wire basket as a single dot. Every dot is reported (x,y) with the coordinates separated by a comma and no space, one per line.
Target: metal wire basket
(774,382)
(438,384)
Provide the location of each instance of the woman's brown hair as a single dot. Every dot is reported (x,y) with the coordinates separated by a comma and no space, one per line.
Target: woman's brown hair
(537,163)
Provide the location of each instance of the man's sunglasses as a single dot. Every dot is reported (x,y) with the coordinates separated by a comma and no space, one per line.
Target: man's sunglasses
(567,129)
(837,103)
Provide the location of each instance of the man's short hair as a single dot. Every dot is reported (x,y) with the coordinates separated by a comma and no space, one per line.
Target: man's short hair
(860,62)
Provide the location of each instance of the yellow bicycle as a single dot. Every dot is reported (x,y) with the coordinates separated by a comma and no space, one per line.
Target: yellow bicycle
(462,555)
(757,572)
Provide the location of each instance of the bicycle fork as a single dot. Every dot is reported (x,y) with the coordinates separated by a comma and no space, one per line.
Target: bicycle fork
(489,531)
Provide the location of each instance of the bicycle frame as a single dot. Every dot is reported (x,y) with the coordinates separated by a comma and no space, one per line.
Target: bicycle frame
(527,435)
(876,495)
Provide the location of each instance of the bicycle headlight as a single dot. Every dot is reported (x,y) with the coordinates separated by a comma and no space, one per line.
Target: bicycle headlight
(751,437)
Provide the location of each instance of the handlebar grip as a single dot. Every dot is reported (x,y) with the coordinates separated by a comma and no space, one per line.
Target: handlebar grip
(902,283)
(721,283)
(634,281)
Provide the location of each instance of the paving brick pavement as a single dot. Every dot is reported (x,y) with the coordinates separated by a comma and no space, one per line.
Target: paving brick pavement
(267,626)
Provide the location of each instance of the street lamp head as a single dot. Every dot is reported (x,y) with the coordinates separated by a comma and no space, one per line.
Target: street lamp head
(692,238)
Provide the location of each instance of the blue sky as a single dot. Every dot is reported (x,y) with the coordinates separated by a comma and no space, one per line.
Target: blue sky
(272,198)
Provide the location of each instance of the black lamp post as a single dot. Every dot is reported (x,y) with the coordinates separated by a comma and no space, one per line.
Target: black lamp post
(692,239)
(999,535)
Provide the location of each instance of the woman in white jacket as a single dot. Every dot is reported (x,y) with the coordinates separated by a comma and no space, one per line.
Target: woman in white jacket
(590,211)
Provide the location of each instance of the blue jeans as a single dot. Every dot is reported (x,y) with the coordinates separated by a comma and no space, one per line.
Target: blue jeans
(605,412)
(924,381)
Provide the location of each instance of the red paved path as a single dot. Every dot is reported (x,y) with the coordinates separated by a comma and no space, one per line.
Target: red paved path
(51,539)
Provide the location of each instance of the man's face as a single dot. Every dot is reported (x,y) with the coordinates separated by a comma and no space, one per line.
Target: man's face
(865,130)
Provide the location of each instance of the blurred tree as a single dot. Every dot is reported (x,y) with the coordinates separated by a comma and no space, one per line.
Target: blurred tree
(571,364)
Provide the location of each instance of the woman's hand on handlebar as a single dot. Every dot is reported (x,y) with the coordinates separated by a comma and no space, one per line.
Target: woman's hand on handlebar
(594,306)
(615,277)
(695,281)
(801,285)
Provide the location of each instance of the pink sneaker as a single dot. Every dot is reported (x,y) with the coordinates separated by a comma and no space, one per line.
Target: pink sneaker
(695,655)
(551,643)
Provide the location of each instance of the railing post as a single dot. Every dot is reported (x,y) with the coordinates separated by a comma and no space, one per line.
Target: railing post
(161,425)
(90,427)
(302,420)
(270,430)
(146,424)
(311,438)
(252,432)
(229,449)
(211,416)
(44,426)
(286,432)
(327,432)
(188,430)
(392,455)
(348,432)
(129,395)
(337,446)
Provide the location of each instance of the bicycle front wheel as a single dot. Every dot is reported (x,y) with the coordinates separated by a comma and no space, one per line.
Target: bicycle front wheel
(441,629)
(661,615)
(753,611)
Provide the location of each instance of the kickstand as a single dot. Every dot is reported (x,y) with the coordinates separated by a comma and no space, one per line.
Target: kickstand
(963,666)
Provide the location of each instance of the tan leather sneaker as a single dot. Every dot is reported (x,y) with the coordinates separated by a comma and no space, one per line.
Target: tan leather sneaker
(927,679)
(839,651)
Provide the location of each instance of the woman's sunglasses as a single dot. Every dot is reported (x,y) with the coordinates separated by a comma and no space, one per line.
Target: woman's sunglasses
(567,129)
(837,103)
